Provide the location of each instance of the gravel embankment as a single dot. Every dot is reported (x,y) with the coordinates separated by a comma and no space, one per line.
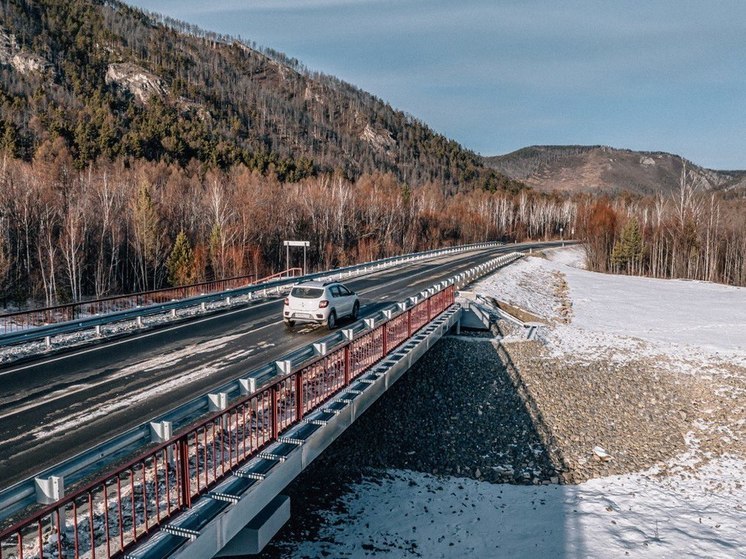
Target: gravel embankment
(641,414)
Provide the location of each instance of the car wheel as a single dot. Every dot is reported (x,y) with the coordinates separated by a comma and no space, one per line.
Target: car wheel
(355,310)
(289,323)
(331,322)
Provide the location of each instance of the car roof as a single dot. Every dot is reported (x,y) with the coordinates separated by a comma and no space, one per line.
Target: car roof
(315,283)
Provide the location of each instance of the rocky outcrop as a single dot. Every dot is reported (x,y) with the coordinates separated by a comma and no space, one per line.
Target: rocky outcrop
(22,61)
(139,82)
(310,94)
(190,107)
(382,140)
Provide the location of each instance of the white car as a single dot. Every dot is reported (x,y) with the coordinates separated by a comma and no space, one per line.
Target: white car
(320,302)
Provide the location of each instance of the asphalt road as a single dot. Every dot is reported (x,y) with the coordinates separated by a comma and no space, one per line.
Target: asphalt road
(57,407)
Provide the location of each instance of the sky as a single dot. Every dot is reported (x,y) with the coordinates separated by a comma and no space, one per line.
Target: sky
(499,75)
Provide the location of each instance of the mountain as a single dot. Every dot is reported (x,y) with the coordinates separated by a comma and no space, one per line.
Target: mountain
(606,169)
(106,80)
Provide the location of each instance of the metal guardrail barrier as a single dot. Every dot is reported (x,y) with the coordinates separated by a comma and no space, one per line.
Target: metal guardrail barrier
(33,318)
(54,329)
(48,331)
(108,516)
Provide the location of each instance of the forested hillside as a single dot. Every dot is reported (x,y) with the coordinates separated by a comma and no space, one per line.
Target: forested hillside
(112,82)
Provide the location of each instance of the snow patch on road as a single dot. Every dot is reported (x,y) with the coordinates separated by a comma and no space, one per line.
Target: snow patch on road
(71,421)
(119,402)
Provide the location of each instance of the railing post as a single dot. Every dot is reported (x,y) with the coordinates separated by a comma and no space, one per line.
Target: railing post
(429,310)
(185,488)
(347,364)
(275,418)
(409,323)
(298,396)
(385,339)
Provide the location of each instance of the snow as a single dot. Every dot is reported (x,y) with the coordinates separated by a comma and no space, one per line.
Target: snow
(690,322)
(701,314)
(411,514)
(694,505)
(571,256)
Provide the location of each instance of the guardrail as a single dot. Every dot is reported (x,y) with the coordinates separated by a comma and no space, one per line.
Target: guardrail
(33,318)
(138,312)
(48,332)
(108,516)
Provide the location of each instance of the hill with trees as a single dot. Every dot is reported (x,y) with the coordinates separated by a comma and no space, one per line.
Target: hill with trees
(109,81)
(603,169)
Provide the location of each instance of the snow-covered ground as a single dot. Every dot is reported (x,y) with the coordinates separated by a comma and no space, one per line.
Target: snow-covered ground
(694,505)
(692,322)
(418,515)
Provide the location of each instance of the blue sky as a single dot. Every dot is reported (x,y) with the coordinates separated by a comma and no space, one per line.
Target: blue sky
(666,75)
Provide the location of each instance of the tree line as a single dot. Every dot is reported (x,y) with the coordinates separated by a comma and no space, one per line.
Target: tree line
(691,234)
(132,225)
(117,227)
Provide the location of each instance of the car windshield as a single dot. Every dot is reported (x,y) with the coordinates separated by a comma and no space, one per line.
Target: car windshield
(307,292)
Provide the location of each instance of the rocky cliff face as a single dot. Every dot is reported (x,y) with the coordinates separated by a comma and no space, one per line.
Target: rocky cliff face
(24,62)
(135,79)
(379,139)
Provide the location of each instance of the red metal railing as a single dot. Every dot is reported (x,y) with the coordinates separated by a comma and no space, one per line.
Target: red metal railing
(24,320)
(108,516)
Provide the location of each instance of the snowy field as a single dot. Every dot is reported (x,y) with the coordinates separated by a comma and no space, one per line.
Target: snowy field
(692,322)
(694,505)
(417,515)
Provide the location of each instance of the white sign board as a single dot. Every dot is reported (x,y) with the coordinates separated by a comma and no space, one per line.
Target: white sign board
(297,243)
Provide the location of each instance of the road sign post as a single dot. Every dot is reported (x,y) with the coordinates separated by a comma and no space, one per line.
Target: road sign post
(288,244)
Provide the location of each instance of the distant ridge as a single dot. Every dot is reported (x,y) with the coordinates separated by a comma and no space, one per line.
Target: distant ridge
(607,169)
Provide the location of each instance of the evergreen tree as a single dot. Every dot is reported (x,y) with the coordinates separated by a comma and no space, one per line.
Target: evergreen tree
(180,263)
(627,253)
(146,238)
(216,252)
